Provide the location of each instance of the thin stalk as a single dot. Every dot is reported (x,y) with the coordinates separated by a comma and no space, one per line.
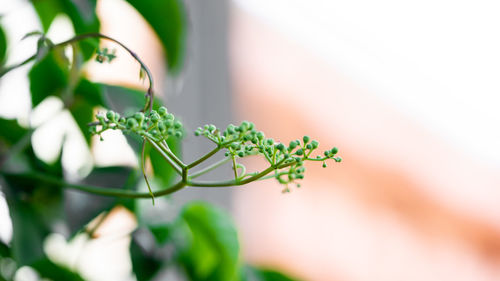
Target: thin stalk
(144,170)
(205,157)
(210,168)
(242,182)
(165,156)
(172,155)
(104,191)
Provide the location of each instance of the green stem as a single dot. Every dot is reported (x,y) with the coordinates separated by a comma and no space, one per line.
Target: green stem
(149,95)
(165,156)
(205,157)
(104,191)
(172,155)
(210,168)
(143,159)
(242,182)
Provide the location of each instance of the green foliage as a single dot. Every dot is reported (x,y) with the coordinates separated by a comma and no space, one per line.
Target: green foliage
(3,45)
(48,77)
(168,20)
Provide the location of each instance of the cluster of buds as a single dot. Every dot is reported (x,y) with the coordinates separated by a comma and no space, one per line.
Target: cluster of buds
(156,125)
(244,140)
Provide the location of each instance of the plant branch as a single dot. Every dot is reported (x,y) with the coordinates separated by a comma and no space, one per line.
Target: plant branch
(205,157)
(210,168)
(165,156)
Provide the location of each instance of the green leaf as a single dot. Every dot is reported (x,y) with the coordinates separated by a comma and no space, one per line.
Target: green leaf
(162,170)
(10,132)
(260,274)
(91,92)
(47,11)
(48,269)
(82,112)
(47,77)
(161,232)
(144,264)
(213,251)
(3,45)
(168,20)
(81,13)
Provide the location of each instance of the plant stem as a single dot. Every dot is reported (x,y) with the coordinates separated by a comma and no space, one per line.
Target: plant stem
(149,95)
(165,156)
(205,157)
(105,191)
(209,168)
(169,152)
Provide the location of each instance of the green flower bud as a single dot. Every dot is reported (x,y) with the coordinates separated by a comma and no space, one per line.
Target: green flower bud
(110,115)
(300,176)
(155,118)
(211,128)
(260,135)
(306,139)
(197,133)
(292,145)
(299,151)
(334,150)
(139,116)
(241,154)
(324,164)
(168,123)
(162,111)
(162,127)
(169,116)
(178,134)
(314,144)
(337,159)
(177,124)
(308,146)
(235,146)
(132,123)
(280,147)
(226,153)
(269,141)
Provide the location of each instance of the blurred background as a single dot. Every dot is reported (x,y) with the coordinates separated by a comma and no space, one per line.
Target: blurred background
(407,90)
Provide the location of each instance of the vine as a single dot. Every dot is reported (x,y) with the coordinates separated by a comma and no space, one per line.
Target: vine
(154,127)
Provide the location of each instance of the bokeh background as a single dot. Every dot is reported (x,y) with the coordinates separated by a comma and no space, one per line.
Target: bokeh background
(407,90)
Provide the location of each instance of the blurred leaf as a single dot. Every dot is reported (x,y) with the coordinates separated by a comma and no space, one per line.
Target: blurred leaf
(52,271)
(34,206)
(3,45)
(144,265)
(47,11)
(91,92)
(162,170)
(168,20)
(10,131)
(81,13)
(214,249)
(259,274)
(82,112)
(82,207)
(47,77)
(161,232)
(124,100)
(4,250)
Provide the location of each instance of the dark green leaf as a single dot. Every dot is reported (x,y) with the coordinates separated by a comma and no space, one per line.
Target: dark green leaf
(168,20)
(47,77)
(47,11)
(52,271)
(161,232)
(259,274)
(144,264)
(10,131)
(82,112)
(213,250)
(162,170)
(91,92)
(3,45)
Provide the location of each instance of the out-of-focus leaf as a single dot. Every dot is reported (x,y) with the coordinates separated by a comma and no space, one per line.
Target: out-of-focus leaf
(144,264)
(4,250)
(251,273)
(10,131)
(213,251)
(91,92)
(81,13)
(124,100)
(82,112)
(162,170)
(47,77)
(34,206)
(47,11)
(3,45)
(52,271)
(161,232)
(168,20)
(80,208)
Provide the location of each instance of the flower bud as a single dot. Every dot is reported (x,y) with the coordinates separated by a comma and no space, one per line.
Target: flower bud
(306,139)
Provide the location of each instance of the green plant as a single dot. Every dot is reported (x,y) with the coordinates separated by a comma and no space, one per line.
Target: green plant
(204,238)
